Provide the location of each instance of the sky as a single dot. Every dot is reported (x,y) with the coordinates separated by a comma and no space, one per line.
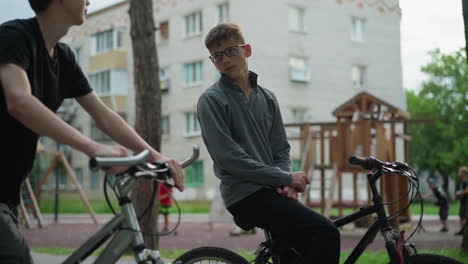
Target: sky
(425,26)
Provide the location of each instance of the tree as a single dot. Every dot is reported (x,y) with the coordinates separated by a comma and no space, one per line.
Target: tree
(147,102)
(441,146)
(465,20)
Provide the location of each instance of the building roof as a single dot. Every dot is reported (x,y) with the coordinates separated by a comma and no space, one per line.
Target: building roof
(370,106)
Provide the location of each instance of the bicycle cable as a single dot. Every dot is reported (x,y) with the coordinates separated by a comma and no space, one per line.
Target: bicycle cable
(418,194)
(151,204)
(106,182)
(408,194)
(179,213)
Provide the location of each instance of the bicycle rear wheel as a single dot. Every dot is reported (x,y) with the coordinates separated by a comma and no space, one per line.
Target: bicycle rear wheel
(211,255)
(431,259)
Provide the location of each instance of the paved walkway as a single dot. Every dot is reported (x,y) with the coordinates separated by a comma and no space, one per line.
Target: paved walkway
(194,231)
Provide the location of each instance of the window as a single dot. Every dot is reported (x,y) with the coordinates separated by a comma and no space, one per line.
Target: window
(358,76)
(299,69)
(357,33)
(164,30)
(97,134)
(101,82)
(299,115)
(296,19)
(223,13)
(164,80)
(94,184)
(78,55)
(109,82)
(62,176)
(193,73)
(106,40)
(165,125)
(79,175)
(193,24)
(296,165)
(192,127)
(194,174)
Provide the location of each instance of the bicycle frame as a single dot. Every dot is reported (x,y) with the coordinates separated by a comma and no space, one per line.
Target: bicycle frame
(125,228)
(380,224)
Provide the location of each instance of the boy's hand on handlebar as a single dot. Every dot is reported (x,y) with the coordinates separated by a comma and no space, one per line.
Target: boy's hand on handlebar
(103,150)
(177,172)
(288,191)
(299,181)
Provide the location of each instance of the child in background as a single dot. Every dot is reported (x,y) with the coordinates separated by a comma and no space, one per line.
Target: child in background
(165,204)
(462,194)
(441,202)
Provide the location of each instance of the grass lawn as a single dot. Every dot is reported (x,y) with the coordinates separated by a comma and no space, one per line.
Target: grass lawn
(73,204)
(379,257)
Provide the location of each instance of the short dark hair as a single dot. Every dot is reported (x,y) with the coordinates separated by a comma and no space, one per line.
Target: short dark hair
(39,5)
(223,32)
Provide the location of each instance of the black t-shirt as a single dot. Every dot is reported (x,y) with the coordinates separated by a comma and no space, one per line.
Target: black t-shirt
(51,80)
(441,200)
(464,198)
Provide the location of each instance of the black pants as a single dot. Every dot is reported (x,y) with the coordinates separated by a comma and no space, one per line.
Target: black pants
(314,236)
(13,247)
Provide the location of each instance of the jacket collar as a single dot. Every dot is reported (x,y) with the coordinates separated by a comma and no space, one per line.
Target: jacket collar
(228,83)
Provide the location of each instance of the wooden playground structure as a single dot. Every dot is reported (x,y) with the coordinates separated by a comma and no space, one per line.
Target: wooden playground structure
(365,125)
(29,206)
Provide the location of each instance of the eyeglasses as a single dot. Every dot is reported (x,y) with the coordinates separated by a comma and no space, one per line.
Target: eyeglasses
(231,51)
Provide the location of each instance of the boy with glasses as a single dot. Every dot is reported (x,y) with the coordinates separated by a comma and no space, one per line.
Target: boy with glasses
(244,133)
(37,73)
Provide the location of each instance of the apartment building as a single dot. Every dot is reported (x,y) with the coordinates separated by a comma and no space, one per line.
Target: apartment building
(314,55)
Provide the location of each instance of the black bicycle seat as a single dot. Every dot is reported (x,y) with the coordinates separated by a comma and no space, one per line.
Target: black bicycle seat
(244,224)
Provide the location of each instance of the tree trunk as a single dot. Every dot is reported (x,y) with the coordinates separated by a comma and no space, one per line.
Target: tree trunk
(465,19)
(147,102)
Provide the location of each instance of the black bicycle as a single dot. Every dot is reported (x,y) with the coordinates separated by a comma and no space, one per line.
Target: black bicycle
(399,250)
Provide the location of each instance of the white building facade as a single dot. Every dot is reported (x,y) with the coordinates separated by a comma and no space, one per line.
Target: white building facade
(314,55)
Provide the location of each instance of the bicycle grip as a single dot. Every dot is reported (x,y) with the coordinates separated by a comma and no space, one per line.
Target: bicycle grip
(367,163)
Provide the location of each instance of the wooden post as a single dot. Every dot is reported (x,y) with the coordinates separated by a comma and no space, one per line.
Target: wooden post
(331,192)
(37,212)
(24,215)
(355,190)
(72,176)
(340,192)
(322,171)
(49,171)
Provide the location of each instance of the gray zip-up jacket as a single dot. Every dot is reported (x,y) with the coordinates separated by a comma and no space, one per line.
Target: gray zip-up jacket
(245,137)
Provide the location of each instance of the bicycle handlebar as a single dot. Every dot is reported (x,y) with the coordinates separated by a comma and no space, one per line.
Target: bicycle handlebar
(140,158)
(371,163)
(368,163)
(100,162)
(193,158)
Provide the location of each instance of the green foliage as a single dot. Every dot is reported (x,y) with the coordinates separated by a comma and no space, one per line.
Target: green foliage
(442,145)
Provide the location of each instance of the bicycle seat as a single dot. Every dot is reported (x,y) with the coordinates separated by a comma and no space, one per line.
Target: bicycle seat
(243,224)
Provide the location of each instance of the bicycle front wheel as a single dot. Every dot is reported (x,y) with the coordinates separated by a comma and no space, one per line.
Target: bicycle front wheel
(211,255)
(431,259)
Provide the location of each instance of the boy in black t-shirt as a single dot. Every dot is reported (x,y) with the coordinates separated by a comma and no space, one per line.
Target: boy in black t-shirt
(441,202)
(36,74)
